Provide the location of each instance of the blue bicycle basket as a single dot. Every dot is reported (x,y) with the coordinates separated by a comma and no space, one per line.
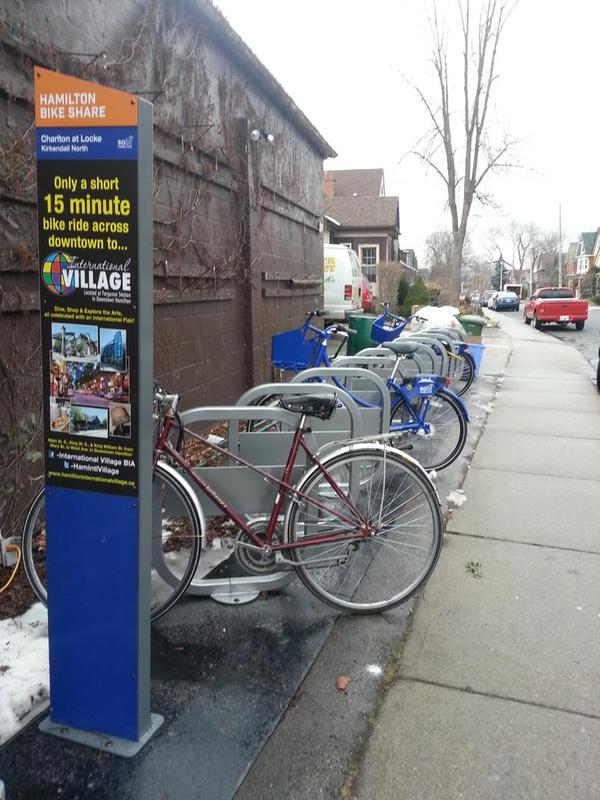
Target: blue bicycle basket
(293,351)
(387,327)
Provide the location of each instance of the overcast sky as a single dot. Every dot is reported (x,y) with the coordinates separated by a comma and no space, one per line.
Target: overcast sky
(348,65)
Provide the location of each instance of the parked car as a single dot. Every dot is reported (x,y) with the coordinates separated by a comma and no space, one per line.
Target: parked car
(506,301)
(342,278)
(485,297)
(368,303)
(492,299)
(475,297)
(554,304)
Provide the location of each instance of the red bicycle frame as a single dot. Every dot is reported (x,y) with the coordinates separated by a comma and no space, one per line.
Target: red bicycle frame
(164,446)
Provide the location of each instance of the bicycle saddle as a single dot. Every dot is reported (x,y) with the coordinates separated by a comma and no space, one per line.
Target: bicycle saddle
(310,405)
(401,348)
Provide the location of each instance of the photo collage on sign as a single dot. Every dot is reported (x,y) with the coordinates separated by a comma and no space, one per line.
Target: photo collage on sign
(89,381)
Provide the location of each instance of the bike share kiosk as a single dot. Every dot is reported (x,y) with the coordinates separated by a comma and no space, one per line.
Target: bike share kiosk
(94,176)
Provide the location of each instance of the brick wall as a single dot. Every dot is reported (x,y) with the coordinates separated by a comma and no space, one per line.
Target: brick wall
(237,248)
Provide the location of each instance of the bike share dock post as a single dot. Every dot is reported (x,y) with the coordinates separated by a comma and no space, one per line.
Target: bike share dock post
(94,177)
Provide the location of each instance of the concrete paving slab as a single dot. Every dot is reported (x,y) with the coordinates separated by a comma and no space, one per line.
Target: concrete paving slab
(555,359)
(524,398)
(523,502)
(450,745)
(523,629)
(556,367)
(496,353)
(584,386)
(545,421)
(544,373)
(494,360)
(539,455)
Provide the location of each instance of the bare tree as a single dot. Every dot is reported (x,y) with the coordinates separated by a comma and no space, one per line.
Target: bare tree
(438,257)
(544,257)
(525,238)
(438,253)
(468,154)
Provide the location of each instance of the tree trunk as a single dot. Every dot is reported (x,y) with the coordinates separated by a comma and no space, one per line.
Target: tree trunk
(454,284)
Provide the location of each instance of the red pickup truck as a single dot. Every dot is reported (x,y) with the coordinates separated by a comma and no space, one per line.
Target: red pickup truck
(552,304)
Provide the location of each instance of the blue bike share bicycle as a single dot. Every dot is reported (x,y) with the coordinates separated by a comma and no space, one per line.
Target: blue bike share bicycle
(427,417)
(388,327)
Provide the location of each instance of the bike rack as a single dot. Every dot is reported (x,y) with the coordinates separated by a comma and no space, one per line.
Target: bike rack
(450,333)
(424,362)
(439,352)
(379,392)
(251,491)
(432,345)
(441,342)
(382,361)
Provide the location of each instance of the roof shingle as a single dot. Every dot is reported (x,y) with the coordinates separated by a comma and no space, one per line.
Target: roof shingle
(364,212)
(348,182)
(588,241)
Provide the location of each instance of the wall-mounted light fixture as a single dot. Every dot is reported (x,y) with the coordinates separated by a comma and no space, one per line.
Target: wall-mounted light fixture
(256,134)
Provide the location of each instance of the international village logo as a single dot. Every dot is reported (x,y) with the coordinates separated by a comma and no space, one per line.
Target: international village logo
(63,274)
(56,274)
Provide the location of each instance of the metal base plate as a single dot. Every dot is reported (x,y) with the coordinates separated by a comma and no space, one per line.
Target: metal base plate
(100,741)
(234,598)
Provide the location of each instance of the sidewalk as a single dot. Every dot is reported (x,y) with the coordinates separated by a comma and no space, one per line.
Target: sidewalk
(498,693)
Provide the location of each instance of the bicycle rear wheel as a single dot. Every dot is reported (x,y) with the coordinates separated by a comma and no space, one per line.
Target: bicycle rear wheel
(448,430)
(467,375)
(368,571)
(177,529)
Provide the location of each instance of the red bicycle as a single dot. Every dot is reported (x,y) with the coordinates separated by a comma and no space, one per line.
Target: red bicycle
(362,527)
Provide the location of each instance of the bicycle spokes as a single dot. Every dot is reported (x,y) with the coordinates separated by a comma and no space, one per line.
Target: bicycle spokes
(378,563)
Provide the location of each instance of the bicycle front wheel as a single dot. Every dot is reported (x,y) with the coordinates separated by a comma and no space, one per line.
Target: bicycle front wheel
(177,529)
(376,545)
(447,435)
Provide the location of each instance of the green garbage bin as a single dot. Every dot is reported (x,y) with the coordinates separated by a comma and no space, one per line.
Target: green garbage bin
(359,328)
(472,324)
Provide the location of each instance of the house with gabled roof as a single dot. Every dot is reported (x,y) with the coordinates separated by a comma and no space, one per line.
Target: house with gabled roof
(367,220)
(584,259)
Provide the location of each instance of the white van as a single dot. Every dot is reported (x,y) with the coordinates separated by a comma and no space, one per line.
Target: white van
(342,282)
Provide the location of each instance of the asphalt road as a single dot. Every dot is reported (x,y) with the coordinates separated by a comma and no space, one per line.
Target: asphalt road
(586,341)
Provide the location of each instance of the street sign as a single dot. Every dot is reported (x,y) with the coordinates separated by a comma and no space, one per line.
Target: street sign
(94,179)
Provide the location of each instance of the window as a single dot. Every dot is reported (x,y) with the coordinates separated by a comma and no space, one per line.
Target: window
(356,273)
(369,256)
(555,294)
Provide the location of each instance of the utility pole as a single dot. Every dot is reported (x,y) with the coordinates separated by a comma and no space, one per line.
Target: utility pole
(532,256)
(560,276)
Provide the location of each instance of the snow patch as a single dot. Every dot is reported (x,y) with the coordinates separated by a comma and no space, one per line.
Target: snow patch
(375,670)
(488,407)
(456,498)
(24,678)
